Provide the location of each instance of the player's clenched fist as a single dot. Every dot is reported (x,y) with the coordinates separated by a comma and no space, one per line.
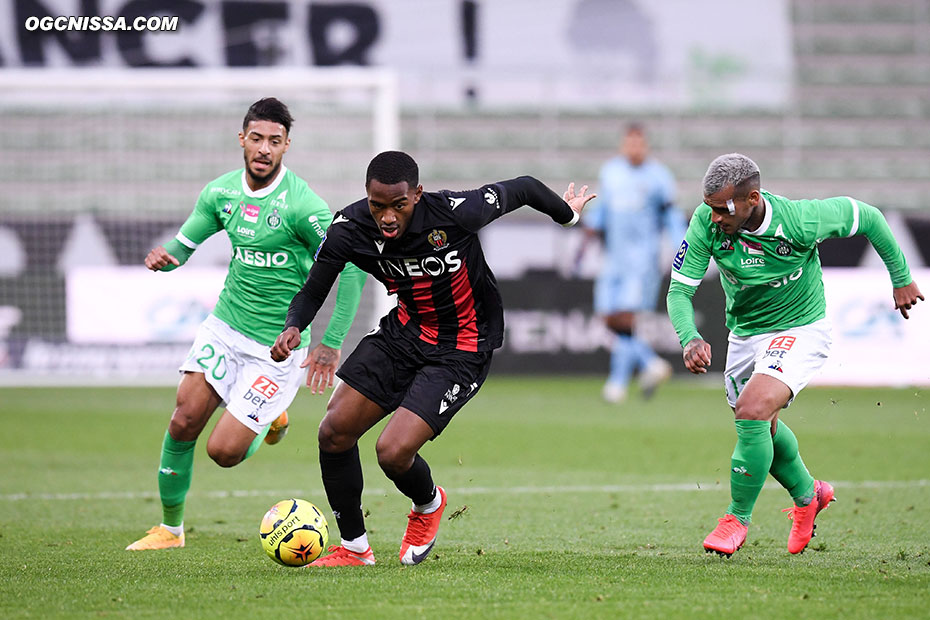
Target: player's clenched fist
(287,341)
(159,258)
(697,356)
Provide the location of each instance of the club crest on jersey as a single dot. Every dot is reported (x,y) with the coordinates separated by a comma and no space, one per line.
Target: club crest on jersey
(250,212)
(783,249)
(273,220)
(437,239)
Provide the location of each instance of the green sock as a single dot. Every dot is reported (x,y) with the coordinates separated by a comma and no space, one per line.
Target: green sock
(174,478)
(788,468)
(752,458)
(256,443)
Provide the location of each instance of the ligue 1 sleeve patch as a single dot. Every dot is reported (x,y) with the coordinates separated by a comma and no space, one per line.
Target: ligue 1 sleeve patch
(680,256)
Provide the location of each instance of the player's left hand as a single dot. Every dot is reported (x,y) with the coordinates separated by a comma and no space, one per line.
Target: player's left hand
(579,200)
(322,362)
(907,296)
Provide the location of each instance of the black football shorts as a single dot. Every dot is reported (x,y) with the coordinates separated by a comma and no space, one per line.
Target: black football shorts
(395,369)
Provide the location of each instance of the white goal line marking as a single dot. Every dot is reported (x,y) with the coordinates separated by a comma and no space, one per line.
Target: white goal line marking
(679,487)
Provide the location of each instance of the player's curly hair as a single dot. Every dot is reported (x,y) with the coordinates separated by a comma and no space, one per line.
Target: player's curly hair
(268,109)
(392,167)
(732,169)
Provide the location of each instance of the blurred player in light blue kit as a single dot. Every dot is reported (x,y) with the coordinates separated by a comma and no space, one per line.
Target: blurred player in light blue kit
(636,205)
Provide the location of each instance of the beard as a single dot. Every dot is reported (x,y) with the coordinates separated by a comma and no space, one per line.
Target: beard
(261,179)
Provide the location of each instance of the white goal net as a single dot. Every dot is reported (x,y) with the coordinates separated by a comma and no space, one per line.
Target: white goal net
(100,166)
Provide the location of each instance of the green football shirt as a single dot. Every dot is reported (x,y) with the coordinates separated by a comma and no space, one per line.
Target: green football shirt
(275,233)
(772,277)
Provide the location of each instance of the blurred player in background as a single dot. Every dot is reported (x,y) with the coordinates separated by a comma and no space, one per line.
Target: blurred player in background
(430,354)
(766,249)
(636,210)
(275,223)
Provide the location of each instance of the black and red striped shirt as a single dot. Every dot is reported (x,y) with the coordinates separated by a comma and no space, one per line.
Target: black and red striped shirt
(446,293)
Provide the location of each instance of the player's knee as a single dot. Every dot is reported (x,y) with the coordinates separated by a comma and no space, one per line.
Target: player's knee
(331,440)
(392,458)
(223,456)
(184,426)
(753,410)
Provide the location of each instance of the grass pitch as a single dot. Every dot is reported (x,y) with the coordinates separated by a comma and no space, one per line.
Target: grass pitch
(566,508)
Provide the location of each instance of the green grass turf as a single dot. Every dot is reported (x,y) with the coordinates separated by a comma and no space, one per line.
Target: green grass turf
(569,508)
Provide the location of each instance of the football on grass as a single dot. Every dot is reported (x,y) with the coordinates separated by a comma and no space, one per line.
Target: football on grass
(294,532)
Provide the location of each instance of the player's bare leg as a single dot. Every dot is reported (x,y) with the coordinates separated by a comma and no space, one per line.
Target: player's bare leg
(195,403)
(230,440)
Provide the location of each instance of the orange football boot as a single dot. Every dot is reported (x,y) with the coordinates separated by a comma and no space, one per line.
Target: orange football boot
(802,527)
(727,537)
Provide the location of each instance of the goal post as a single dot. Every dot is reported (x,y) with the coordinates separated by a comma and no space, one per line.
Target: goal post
(104,164)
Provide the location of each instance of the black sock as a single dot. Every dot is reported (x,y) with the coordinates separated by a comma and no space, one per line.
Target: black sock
(342,479)
(416,483)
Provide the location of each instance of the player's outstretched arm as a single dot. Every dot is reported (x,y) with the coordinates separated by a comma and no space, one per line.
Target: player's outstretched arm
(564,209)
(579,200)
(159,258)
(287,341)
(322,363)
(697,356)
(906,297)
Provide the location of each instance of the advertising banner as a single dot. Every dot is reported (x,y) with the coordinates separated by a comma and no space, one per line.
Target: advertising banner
(521,52)
(132,305)
(63,318)
(551,326)
(872,343)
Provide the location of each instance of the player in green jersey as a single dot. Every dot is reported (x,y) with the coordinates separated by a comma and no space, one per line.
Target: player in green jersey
(275,223)
(765,247)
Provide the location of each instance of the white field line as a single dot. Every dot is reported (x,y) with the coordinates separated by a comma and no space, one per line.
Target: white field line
(680,487)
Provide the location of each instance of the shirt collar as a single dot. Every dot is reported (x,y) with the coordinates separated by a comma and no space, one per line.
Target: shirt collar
(766,220)
(265,191)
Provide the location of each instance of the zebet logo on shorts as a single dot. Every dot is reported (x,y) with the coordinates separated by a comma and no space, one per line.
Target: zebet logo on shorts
(782,342)
(265,386)
(777,349)
(262,389)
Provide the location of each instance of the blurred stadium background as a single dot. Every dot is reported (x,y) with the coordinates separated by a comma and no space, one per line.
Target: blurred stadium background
(109,138)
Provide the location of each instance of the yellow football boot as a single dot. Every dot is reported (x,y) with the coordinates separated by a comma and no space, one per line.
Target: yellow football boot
(157,538)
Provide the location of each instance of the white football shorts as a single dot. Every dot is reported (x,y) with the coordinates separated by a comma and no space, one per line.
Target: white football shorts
(793,356)
(254,388)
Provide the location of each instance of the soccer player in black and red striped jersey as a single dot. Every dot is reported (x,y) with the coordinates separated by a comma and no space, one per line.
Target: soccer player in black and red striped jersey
(430,354)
